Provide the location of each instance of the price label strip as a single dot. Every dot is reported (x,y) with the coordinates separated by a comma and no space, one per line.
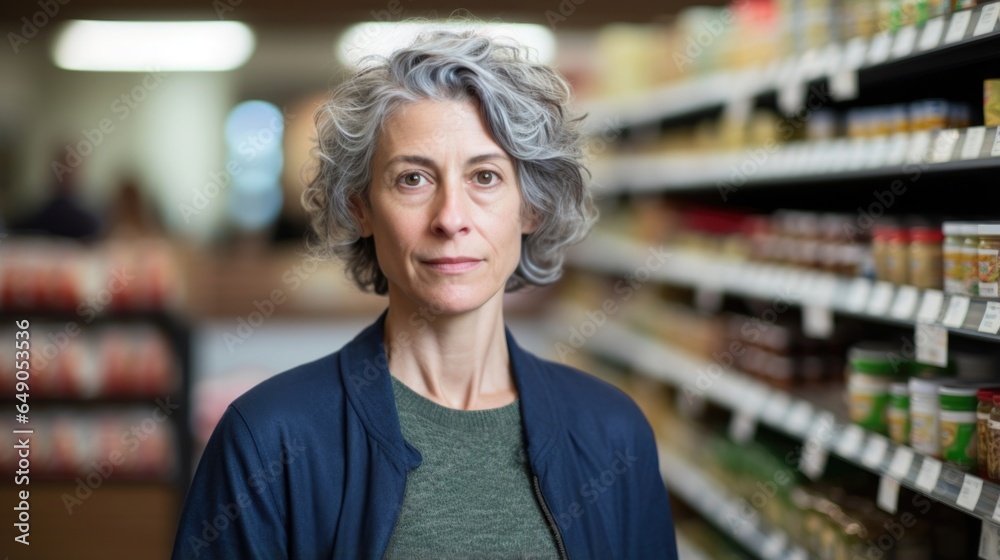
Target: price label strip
(995,150)
(906,302)
(888,494)
(902,460)
(958,308)
(987,20)
(812,463)
(991,319)
(932,344)
(906,39)
(944,145)
(972,488)
(974,139)
(880,48)
(959,25)
(930,306)
(931,36)
(875,452)
(881,298)
(989,541)
(930,471)
(851,441)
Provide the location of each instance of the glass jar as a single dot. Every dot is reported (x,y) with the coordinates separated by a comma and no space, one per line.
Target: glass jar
(897,256)
(958,426)
(994,464)
(924,415)
(925,257)
(952,258)
(870,376)
(970,259)
(899,413)
(989,248)
(986,453)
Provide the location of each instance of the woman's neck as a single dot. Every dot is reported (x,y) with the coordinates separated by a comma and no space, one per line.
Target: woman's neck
(456,360)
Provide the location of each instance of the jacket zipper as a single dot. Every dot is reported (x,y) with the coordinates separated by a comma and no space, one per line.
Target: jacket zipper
(550,519)
(398,515)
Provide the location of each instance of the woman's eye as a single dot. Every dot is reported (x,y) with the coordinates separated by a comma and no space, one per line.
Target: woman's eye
(412,179)
(486,177)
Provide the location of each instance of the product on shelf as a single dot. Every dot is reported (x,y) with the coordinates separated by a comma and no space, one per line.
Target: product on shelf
(872,372)
(994,446)
(925,414)
(958,426)
(925,255)
(952,261)
(989,248)
(984,406)
(970,259)
(899,413)
(991,102)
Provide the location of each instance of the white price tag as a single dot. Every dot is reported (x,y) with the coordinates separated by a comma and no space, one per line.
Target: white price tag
(817,322)
(906,302)
(932,344)
(880,48)
(850,441)
(995,150)
(897,149)
(742,427)
(814,456)
(959,24)
(854,53)
(888,494)
(958,307)
(800,418)
(932,33)
(996,512)
(776,409)
(944,145)
(971,489)
(989,541)
(919,143)
(991,319)
(930,306)
(987,19)
(906,39)
(844,84)
(881,298)
(857,296)
(973,146)
(930,471)
(902,460)
(875,451)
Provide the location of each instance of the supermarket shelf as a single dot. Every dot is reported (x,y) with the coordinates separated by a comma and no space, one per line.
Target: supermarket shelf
(880,302)
(821,161)
(860,64)
(687,483)
(753,402)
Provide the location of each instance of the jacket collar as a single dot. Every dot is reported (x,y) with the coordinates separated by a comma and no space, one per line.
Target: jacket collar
(365,373)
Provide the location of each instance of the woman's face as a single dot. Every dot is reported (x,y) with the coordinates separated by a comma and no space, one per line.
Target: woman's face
(445,207)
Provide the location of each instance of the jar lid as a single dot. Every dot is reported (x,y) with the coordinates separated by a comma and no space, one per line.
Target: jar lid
(874,358)
(923,234)
(926,386)
(988,229)
(986,394)
(953,228)
(958,402)
(957,391)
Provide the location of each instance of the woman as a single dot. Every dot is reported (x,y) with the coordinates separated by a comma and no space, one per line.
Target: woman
(449,173)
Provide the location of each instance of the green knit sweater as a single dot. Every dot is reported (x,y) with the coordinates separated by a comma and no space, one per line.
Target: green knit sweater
(472,495)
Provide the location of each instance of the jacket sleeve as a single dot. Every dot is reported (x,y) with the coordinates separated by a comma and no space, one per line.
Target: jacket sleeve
(654,534)
(231,511)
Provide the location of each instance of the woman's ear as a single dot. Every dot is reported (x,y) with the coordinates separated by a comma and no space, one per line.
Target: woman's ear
(362,214)
(530,221)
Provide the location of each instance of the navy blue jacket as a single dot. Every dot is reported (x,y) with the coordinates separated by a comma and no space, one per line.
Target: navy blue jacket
(311,464)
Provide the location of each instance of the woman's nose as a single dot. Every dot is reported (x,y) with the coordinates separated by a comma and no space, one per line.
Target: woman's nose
(451,211)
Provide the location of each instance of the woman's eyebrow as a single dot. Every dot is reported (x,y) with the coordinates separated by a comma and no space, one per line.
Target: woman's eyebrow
(421,160)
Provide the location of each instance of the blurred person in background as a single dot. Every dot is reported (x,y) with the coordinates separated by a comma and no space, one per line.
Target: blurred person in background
(131,215)
(63,214)
(449,173)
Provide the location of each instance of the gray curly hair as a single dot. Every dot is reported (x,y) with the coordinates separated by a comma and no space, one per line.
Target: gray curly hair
(524,105)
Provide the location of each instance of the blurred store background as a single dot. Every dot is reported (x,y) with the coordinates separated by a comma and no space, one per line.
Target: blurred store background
(152,158)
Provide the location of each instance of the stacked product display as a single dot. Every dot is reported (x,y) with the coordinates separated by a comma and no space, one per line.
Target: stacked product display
(793,255)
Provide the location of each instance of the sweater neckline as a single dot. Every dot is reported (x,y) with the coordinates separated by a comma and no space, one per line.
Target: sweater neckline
(462,420)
